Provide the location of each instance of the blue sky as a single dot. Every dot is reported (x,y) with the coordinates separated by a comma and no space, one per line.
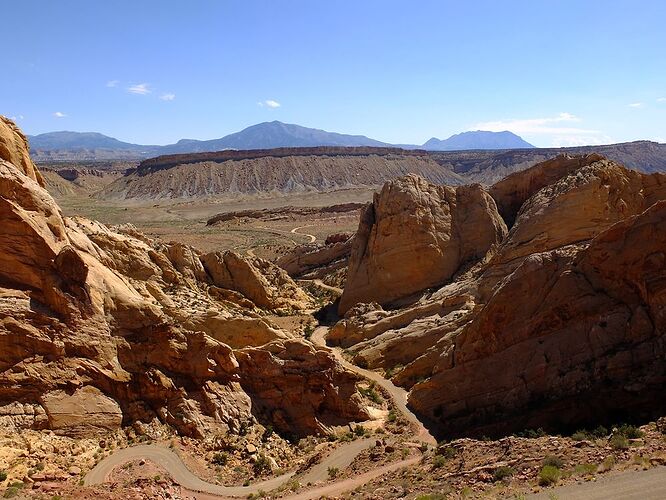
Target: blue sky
(152,72)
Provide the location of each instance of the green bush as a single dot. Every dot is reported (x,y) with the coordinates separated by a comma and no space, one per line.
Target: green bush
(619,442)
(531,433)
(220,458)
(585,469)
(392,416)
(502,473)
(549,475)
(553,460)
(3,475)
(371,394)
(262,464)
(447,451)
(630,431)
(332,472)
(439,461)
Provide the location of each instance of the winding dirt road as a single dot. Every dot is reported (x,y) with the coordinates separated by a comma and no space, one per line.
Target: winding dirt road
(312,237)
(340,458)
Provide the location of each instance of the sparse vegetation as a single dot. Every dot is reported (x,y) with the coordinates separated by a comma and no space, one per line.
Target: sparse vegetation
(553,460)
(532,433)
(549,475)
(439,461)
(619,442)
(333,472)
(3,476)
(585,469)
(220,459)
(371,393)
(308,331)
(262,464)
(392,416)
(268,432)
(630,431)
(502,473)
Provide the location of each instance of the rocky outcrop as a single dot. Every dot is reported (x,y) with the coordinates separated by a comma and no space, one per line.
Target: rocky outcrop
(285,381)
(262,282)
(511,192)
(561,326)
(304,259)
(416,235)
(102,327)
(568,339)
(15,150)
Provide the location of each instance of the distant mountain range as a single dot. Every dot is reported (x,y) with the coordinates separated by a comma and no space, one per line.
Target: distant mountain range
(91,145)
(479,139)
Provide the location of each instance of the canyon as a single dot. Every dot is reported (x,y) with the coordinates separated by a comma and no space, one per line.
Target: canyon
(452,310)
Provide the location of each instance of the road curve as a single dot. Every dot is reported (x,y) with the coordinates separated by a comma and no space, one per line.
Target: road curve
(398,394)
(339,458)
(312,237)
(172,463)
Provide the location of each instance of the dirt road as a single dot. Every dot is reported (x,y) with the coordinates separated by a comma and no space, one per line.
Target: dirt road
(340,458)
(312,237)
(398,394)
(630,485)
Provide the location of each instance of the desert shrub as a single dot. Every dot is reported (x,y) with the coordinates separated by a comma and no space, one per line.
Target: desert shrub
(619,442)
(608,463)
(532,433)
(447,451)
(308,331)
(392,416)
(503,472)
(371,393)
(549,475)
(262,464)
(3,475)
(11,492)
(333,472)
(630,431)
(432,496)
(360,431)
(220,458)
(553,460)
(439,461)
(585,469)
(268,432)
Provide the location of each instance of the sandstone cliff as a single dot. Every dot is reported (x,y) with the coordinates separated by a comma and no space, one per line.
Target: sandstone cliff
(102,327)
(416,235)
(562,323)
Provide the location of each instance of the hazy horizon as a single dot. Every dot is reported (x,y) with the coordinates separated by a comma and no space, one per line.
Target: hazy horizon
(153,73)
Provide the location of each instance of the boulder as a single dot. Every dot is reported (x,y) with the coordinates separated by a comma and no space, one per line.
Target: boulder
(84,410)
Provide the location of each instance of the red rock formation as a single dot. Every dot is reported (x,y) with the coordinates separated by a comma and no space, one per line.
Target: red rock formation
(416,235)
(102,326)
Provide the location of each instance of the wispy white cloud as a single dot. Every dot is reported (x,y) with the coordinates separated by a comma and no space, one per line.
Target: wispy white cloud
(140,89)
(636,105)
(559,129)
(549,125)
(168,96)
(661,99)
(17,117)
(269,103)
(59,114)
(112,83)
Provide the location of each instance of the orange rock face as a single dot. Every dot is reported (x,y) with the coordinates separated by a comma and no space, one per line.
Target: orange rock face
(416,235)
(561,325)
(101,327)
